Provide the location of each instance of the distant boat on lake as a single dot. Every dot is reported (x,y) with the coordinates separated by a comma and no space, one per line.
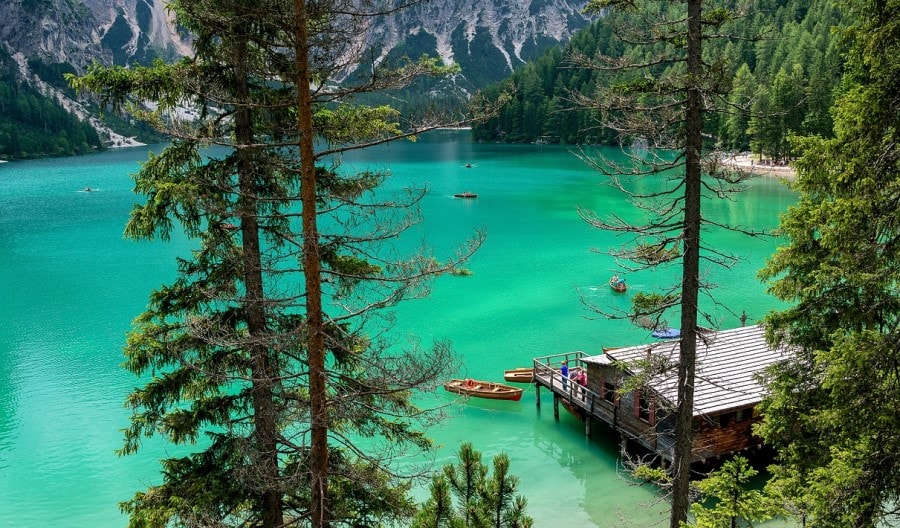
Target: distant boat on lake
(466,194)
(617,284)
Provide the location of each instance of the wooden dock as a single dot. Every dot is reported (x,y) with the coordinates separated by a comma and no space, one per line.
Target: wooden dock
(588,405)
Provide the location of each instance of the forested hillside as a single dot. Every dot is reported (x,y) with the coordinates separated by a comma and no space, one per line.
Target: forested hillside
(32,125)
(785,67)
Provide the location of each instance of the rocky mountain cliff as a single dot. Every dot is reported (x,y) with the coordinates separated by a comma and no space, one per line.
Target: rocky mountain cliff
(45,38)
(78,32)
(487,38)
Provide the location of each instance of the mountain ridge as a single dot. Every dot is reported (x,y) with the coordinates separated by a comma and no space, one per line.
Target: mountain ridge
(488,39)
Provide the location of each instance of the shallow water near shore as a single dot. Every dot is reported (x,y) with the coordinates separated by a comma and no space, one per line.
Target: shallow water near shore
(71,286)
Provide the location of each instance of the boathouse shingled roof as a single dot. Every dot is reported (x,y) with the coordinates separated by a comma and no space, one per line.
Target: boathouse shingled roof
(727,364)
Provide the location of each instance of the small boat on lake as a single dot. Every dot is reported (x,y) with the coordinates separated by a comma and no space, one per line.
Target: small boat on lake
(483,389)
(466,194)
(519,375)
(617,284)
(666,333)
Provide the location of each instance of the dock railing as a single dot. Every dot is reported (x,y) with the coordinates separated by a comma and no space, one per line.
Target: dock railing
(547,368)
(577,398)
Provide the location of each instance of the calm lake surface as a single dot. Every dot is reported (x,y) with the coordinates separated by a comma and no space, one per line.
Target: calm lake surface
(70,286)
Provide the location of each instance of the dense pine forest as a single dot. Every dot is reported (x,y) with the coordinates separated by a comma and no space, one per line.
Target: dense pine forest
(32,125)
(785,67)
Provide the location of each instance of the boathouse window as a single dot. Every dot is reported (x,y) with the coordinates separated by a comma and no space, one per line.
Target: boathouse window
(644,412)
(741,415)
(609,391)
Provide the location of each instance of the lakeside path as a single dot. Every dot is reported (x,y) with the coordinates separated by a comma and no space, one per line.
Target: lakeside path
(785,172)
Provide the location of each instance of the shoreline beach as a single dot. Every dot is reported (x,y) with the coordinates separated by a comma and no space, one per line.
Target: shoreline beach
(744,161)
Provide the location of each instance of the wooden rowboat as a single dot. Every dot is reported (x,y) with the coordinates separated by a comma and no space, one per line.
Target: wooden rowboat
(466,194)
(483,389)
(573,409)
(617,284)
(519,375)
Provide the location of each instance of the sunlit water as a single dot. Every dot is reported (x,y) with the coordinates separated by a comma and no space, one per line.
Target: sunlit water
(70,286)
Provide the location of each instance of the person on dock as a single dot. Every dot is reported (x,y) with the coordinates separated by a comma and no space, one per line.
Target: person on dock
(581,380)
(564,372)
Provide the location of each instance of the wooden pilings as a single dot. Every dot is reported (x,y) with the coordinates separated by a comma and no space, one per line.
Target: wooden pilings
(588,420)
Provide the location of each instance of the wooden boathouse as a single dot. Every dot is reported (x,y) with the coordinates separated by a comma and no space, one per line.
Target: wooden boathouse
(633,390)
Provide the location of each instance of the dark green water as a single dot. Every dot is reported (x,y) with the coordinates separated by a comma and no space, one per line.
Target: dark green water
(70,286)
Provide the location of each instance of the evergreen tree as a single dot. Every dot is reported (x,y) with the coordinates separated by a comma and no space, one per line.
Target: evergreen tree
(730,499)
(735,134)
(259,350)
(832,412)
(787,97)
(482,499)
(817,120)
(663,93)
(764,127)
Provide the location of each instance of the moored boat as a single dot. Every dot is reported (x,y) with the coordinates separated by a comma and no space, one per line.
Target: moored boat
(519,375)
(573,409)
(483,389)
(466,194)
(666,333)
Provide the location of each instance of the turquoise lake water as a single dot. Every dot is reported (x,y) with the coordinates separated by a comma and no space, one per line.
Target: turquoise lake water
(70,286)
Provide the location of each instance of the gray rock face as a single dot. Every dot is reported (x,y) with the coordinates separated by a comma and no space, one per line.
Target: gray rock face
(137,30)
(80,32)
(487,38)
(53,31)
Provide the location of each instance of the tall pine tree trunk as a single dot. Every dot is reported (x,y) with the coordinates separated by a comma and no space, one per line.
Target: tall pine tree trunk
(690,282)
(265,424)
(318,463)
